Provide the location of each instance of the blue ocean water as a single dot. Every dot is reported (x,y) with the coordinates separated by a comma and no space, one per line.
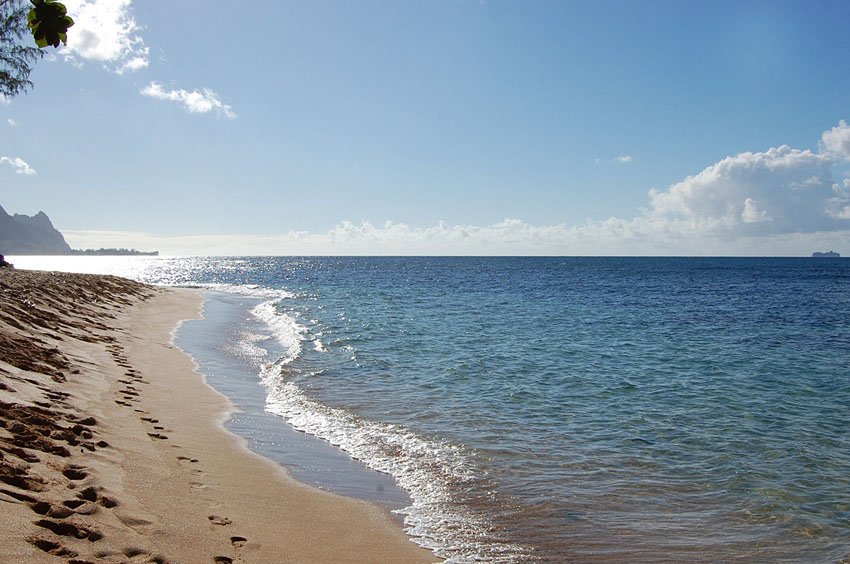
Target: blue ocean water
(562,409)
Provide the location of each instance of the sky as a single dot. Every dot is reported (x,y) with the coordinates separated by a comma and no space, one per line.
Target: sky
(460,127)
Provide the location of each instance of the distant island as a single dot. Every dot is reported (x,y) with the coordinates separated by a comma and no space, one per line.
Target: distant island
(35,235)
(827,254)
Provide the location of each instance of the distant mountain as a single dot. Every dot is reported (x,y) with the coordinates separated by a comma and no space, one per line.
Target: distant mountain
(30,235)
(35,235)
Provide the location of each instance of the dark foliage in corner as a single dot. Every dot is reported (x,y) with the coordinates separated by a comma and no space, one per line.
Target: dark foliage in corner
(48,22)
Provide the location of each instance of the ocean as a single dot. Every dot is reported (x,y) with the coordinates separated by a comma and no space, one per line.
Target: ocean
(546,409)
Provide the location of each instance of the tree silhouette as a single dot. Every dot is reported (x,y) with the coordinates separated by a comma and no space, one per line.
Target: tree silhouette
(46,20)
(49,23)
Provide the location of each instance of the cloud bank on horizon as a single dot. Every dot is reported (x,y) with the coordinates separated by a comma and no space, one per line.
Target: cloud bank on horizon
(777,202)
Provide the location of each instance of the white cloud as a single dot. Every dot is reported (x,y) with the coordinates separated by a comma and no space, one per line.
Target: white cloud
(837,140)
(622,159)
(196,101)
(13,122)
(105,31)
(794,188)
(19,164)
(4,100)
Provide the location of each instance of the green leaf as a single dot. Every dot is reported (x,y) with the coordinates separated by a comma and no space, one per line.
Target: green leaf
(49,23)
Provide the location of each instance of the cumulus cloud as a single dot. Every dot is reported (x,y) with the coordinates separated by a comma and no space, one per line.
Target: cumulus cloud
(105,31)
(18,164)
(13,122)
(837,140)
(780,190)
(195,101)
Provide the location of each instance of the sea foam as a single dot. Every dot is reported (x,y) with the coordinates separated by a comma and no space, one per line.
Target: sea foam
(430,470)
(286,330)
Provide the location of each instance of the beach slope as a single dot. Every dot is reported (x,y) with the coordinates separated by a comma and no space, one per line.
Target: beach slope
(112,449)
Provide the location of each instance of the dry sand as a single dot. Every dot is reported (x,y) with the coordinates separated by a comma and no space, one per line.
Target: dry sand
(112,449)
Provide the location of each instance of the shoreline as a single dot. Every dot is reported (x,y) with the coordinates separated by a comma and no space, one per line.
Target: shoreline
(215,344)
(113,444)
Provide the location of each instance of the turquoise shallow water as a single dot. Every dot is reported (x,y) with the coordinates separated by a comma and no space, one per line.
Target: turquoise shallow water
(557,409)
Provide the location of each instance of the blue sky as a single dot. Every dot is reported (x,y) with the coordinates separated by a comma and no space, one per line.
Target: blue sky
(440,127)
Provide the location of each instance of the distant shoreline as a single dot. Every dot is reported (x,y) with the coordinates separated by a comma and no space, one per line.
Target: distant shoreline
(92,252)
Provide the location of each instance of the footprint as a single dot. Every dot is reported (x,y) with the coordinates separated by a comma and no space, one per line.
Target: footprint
(88,494)
(50,547)
(70,530)
(238,542)
(133,522)
(55,511)
(216,520)
(74,473)
(107,502)
(223,560)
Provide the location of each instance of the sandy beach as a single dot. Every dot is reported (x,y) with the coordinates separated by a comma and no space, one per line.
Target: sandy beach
(112,449)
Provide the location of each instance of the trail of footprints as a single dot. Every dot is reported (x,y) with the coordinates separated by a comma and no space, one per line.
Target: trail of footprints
(129,395)
(50,431)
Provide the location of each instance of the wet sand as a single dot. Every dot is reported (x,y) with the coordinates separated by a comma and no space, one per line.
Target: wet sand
(112,448)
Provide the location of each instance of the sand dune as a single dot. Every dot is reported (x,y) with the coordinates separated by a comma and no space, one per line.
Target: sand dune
(111,448)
